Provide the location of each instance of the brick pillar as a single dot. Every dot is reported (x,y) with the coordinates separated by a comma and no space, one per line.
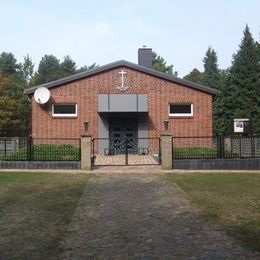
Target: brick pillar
(86,152)
(166,151)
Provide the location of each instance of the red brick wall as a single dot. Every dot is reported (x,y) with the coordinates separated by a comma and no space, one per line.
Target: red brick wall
(160,92)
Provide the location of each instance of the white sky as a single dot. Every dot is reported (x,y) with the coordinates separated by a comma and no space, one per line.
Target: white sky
(106,31)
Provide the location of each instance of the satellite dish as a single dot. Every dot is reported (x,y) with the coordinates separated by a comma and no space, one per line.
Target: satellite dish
(42,95)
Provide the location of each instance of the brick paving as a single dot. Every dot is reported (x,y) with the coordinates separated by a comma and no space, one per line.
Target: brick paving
(140,216)
(120,159)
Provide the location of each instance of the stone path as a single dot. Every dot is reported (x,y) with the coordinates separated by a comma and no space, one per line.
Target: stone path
(140,216)
(120,159)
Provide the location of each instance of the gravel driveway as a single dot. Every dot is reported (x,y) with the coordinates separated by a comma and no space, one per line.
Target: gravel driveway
(141,216)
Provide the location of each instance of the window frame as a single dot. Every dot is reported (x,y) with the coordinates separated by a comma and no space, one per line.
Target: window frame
(182,114)
(65,115)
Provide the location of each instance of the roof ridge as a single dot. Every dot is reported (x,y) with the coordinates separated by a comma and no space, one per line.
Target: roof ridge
(118,63)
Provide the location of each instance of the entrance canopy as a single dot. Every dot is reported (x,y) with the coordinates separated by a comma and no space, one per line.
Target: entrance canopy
(122,103)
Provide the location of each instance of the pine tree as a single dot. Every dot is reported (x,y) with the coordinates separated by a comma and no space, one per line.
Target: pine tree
(244,92)
(159,63)
(27,69)
(215,78)
(67,67)
(8,64)
(211,75)
(86,68)
(48,70)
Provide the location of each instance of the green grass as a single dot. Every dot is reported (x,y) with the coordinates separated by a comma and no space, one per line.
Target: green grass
(46,152)
(232,199)
(35,209)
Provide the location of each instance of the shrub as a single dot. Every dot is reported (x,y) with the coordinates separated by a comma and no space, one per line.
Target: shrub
(46,152)
(194,152)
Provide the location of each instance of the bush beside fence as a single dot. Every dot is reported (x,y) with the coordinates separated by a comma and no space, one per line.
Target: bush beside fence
(39,149)
(216,147)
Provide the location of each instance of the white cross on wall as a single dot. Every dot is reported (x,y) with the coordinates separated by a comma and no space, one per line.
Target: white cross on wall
(122,87)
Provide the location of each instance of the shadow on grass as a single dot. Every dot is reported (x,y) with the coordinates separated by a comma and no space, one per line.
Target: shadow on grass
(229,199)
(35,211)
(246,235)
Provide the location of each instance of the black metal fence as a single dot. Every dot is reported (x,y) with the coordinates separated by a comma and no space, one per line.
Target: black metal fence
(216,147)
(39,149)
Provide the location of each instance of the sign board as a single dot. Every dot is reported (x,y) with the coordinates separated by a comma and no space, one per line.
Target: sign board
(242,125)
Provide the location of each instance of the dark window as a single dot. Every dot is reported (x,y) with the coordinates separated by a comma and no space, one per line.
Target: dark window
(64,109)
(181,109)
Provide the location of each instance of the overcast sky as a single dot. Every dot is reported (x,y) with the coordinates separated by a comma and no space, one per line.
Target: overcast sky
(106,31)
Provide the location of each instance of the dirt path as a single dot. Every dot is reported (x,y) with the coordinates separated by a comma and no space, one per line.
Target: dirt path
(140,216)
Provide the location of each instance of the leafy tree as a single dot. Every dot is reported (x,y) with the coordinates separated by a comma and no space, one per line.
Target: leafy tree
(67,67)
(8,64)
(195,76)
(245,81)
(159,63)
(14,107)
(48,70)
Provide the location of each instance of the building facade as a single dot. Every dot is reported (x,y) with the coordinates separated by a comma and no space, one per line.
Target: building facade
(123,99)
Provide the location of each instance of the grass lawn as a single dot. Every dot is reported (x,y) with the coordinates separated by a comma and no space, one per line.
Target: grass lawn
(232,199)
(34,211)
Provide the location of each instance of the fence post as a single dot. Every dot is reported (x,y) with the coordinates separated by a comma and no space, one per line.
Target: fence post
(252,146)
(240,146)
(126,151)
(166,151)
(220,146)
(29,148)
(86,152)
(5,146)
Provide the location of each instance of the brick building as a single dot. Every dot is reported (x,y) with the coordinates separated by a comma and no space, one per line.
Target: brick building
(123,99)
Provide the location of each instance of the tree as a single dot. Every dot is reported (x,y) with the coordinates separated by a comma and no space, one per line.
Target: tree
(27,69)
(67,67)
(221,118)
(245,81)
(159,63)
(14,107)
(211,71)
(8,64)
(215,78)
(195,76)
(48,70)
(86,68)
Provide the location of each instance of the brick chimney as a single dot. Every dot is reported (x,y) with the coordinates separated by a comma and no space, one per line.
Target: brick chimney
(145,57)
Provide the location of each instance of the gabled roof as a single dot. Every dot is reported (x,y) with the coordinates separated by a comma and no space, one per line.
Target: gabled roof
(123,63)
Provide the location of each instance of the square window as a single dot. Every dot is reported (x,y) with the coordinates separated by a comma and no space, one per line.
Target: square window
(64,110)
(181,109)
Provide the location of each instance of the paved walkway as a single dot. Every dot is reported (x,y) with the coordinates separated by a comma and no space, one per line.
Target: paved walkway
(120,159)
(140,216)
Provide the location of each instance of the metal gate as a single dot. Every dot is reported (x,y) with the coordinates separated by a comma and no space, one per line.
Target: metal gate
(126,151)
